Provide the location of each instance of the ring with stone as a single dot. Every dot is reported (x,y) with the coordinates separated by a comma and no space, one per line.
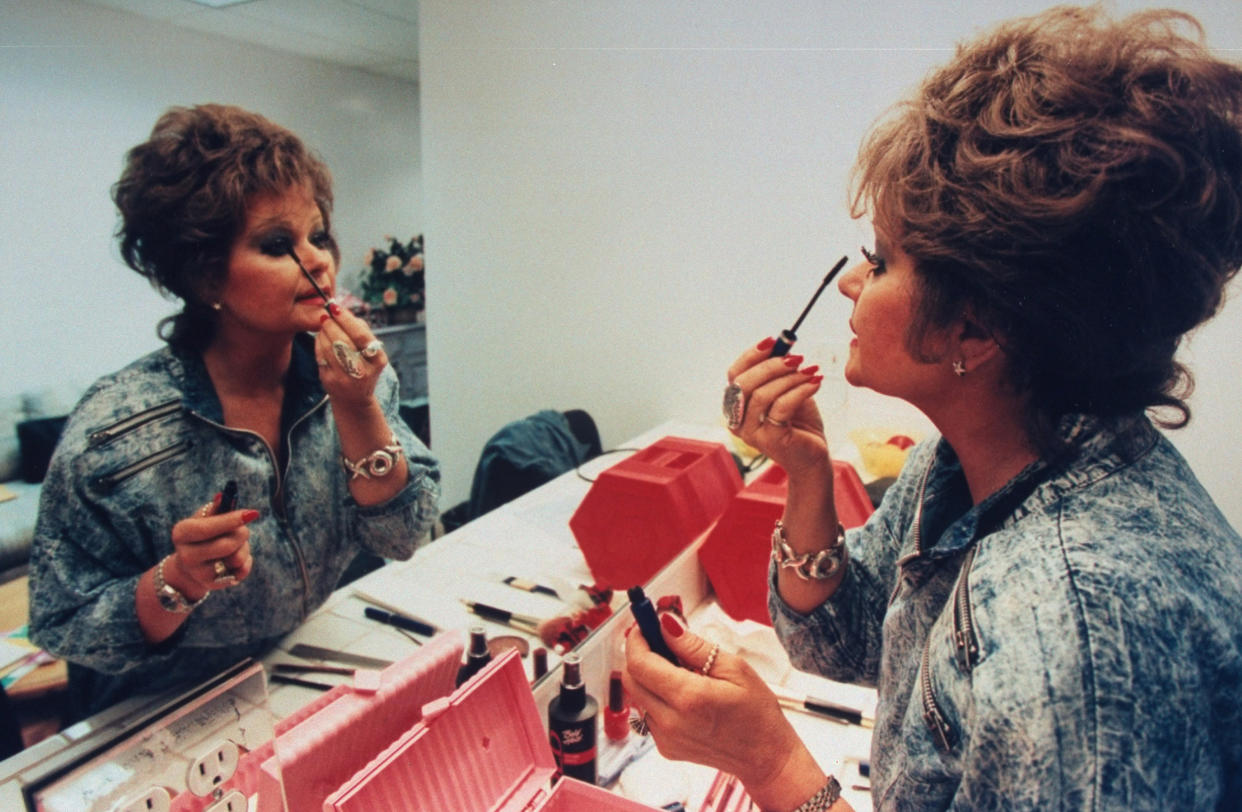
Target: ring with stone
(734,406)
(372,349)
(348,358)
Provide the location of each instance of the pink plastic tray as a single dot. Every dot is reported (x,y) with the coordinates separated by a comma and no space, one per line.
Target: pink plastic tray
(483,748)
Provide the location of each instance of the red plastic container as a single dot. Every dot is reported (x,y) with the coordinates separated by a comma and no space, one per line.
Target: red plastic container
(645,509)
(483,748)
(736,553)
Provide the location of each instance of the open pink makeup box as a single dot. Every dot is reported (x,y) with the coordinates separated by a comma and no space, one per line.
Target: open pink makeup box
(481,748)
(412,743)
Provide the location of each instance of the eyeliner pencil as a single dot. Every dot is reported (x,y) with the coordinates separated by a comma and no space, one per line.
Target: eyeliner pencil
(525,623)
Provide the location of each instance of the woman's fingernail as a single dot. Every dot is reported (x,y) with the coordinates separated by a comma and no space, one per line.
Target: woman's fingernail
(767,344)
(334,308)
(249,516)
(672,626)
(816,379)
(810,370)
(323,317)
(793,360)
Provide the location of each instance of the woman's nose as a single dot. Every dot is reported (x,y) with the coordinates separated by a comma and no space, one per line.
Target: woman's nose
(851,281)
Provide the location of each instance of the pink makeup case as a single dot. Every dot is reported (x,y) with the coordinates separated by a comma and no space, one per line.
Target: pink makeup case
(483,748)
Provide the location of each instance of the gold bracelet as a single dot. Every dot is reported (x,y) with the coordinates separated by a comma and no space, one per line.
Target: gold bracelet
(379,463)
(824,799)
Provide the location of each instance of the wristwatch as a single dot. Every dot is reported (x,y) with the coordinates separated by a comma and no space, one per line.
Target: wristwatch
(170,598)
(816,566)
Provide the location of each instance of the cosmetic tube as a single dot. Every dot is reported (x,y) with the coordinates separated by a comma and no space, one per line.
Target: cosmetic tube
(571,724)
(477,656)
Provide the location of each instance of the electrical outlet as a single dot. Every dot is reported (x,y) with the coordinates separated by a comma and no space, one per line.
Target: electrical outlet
(155,799)
(212,768)
(233,802)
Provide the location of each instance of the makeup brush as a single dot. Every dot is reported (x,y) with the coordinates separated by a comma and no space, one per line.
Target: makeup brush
(788,337)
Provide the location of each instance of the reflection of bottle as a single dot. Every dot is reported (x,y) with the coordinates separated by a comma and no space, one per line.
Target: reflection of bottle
(476,657)
(540,662)
(571,723)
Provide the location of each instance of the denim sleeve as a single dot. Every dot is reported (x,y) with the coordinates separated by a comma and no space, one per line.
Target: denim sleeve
(83,578)
(395,528)
(841,639)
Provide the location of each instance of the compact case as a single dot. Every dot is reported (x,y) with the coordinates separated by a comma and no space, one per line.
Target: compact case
(482,748)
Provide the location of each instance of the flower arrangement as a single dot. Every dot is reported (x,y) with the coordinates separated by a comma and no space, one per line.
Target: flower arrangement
(393,278)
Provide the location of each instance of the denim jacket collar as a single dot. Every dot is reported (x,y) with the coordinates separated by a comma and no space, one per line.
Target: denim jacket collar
(1094,448)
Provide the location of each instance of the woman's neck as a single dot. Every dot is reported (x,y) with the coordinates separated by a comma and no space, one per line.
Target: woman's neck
(988,434)
(247,366)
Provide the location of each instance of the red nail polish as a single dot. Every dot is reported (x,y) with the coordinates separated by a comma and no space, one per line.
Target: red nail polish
(767,344)
(816,379)
(672,626)
(249,516)
(323,317)
(335,309)
(793,360)
(810,370)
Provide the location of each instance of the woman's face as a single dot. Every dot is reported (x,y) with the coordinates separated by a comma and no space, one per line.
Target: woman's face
(884,288)
(265,292)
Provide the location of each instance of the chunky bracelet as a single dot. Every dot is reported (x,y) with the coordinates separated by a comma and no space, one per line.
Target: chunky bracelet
(378,463)
(816,566)
(822,800)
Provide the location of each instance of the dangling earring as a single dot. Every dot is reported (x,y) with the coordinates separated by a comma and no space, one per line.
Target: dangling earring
(959,368)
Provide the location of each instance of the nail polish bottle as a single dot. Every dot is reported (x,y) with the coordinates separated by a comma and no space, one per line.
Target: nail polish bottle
(477,655)
(617,714)
(571,724)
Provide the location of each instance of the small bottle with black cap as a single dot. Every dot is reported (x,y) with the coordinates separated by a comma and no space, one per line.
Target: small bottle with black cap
(477,656)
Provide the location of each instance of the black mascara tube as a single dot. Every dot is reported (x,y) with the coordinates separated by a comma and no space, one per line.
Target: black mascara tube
(649,624)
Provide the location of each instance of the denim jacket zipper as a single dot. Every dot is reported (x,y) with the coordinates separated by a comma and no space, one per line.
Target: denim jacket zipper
(110,480)
(965,640)
(280,491)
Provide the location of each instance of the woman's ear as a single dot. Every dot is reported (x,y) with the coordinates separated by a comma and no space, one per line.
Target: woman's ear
(977,346)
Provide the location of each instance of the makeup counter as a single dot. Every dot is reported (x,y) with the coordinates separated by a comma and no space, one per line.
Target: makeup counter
(510,559)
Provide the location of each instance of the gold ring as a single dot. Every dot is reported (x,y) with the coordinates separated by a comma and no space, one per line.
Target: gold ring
(771,421)
(220,569)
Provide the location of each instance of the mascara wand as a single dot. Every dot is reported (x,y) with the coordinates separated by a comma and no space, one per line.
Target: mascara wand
(788,337)
(328,301)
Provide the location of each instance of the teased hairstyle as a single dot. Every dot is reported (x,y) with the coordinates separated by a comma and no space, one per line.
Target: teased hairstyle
(1075,183)
(182,199)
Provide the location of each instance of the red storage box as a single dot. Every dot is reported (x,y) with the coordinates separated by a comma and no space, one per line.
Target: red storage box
(483,748)
(736,552)
(645,509)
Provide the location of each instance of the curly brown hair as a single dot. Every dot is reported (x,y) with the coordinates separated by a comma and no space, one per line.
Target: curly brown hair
(182,199)
(1075,183)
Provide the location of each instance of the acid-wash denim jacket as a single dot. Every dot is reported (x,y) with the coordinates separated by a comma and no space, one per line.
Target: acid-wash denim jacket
(147,447)
(1074,646)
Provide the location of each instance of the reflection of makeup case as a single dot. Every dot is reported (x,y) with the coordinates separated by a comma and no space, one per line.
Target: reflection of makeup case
(482,748)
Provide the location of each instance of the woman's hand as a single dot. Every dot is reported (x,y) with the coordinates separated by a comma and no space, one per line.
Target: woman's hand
(350,358)
(211,550)
(780,418)
(728,719)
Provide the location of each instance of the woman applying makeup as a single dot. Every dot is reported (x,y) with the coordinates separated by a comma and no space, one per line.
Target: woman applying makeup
(1047,601)
(140,578)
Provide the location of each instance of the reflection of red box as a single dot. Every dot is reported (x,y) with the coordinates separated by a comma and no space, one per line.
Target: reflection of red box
(642,511)
(483,748)
(736,552)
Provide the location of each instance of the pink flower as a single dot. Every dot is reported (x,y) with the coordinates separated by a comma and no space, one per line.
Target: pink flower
(370,257)
(392,264)
(415,264)
(390,296)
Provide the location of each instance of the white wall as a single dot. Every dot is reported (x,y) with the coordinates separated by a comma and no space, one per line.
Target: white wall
(80,85)
(620,196)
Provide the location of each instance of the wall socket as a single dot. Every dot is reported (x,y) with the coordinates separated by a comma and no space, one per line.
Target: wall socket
(155,799)
(234,801)
(212,768)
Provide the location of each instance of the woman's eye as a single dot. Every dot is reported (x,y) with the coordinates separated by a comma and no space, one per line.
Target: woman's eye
(877,264)
(322,239)
(278,246)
